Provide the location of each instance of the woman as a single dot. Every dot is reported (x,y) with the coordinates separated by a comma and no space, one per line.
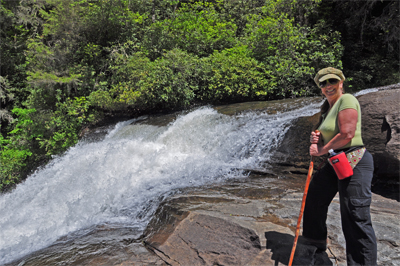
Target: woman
(340,129)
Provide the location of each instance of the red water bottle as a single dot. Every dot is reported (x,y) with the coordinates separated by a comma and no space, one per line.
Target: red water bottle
(340,164)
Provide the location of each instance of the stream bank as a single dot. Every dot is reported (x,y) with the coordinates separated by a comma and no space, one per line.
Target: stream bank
(247,219)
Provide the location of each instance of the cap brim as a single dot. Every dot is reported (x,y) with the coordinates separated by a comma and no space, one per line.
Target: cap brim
(329,76)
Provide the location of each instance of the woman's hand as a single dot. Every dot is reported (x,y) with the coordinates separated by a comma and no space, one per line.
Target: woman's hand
(315,150)
(347,121)
(314,137)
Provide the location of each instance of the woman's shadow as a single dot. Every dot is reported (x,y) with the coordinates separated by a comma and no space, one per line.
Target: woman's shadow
(281,247)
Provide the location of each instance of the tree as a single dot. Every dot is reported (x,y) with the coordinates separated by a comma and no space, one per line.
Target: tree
(196,28)
(371,35)
(291,53)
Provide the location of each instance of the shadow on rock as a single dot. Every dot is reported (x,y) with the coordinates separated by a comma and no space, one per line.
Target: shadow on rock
(281,245)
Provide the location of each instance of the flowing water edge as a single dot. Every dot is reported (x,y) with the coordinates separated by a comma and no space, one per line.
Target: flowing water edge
(120,179)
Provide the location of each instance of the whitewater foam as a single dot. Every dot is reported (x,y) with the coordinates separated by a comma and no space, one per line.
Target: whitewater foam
(122,178)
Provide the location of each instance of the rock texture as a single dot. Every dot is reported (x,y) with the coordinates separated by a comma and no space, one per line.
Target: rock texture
(103,245)
(234,226)
(381,136)
(380,130)
(250,220)
(206,240)
(254,222)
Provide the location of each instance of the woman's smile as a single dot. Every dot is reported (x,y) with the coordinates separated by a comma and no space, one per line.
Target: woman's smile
(333,92)
(330,90)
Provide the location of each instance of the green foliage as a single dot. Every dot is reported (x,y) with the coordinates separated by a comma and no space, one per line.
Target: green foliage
(13,36)
(22,124)
(65,62)
(68,59)
(232,75)
(195,28)
(6,96)
(15,151)
(239,12)
(167,83)
(104,100)
(12,163)
(64,124)
(291,54)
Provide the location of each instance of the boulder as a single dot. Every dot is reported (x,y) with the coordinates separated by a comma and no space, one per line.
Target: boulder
(100,245)
(293,150)
(205,240)
(228,224)
(380,131)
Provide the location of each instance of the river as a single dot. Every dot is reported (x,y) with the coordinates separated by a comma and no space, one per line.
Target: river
(120,178)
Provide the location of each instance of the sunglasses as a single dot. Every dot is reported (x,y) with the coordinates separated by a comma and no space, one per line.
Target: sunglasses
(330,81)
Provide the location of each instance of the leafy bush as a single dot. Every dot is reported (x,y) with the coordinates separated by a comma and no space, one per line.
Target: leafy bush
(195,28)
(65,60)
(232,75)
(167,83)
(13,163)
(291,54)
(16,150)
(64,124)
(43,134)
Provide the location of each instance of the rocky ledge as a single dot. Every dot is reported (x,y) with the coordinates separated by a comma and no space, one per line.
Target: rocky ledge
(252,221)
(380,132)
(244,221)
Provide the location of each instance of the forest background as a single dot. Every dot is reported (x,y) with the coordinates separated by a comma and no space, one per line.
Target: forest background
(68,64)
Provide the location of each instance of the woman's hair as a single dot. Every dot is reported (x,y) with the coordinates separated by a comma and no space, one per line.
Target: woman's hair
(324,110)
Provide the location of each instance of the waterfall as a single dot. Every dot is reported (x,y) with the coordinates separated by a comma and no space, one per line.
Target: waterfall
(122,178)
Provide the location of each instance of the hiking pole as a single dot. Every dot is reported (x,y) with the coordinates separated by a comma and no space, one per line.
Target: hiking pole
(303,203)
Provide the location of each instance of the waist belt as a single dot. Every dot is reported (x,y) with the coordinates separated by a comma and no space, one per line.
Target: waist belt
(353,154)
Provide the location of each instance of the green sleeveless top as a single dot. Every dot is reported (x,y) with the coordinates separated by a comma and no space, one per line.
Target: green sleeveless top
(330,127)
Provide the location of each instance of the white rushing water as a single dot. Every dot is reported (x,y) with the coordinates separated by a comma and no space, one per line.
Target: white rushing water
(122,178)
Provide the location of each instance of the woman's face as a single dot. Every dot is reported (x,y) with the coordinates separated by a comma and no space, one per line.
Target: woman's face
(333,90)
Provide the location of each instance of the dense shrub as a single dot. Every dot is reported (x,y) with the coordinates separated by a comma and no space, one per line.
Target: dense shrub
(291,54)
(16,149)
(232,75)
(195,28)
(66,62)
(168,82)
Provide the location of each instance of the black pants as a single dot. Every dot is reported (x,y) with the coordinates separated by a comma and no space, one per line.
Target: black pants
(355,201)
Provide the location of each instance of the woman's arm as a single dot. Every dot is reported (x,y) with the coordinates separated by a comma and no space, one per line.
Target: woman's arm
(347,120)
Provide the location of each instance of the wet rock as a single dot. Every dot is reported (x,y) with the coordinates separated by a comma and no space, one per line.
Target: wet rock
(260,171)
(381,135)
(101,245)
(239,228)
(293,150)
(205,240)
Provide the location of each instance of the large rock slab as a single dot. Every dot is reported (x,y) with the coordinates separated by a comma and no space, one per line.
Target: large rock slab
(205,240)
(294,148)
(380,130)
(231,225)
(102,245)
(381,136)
